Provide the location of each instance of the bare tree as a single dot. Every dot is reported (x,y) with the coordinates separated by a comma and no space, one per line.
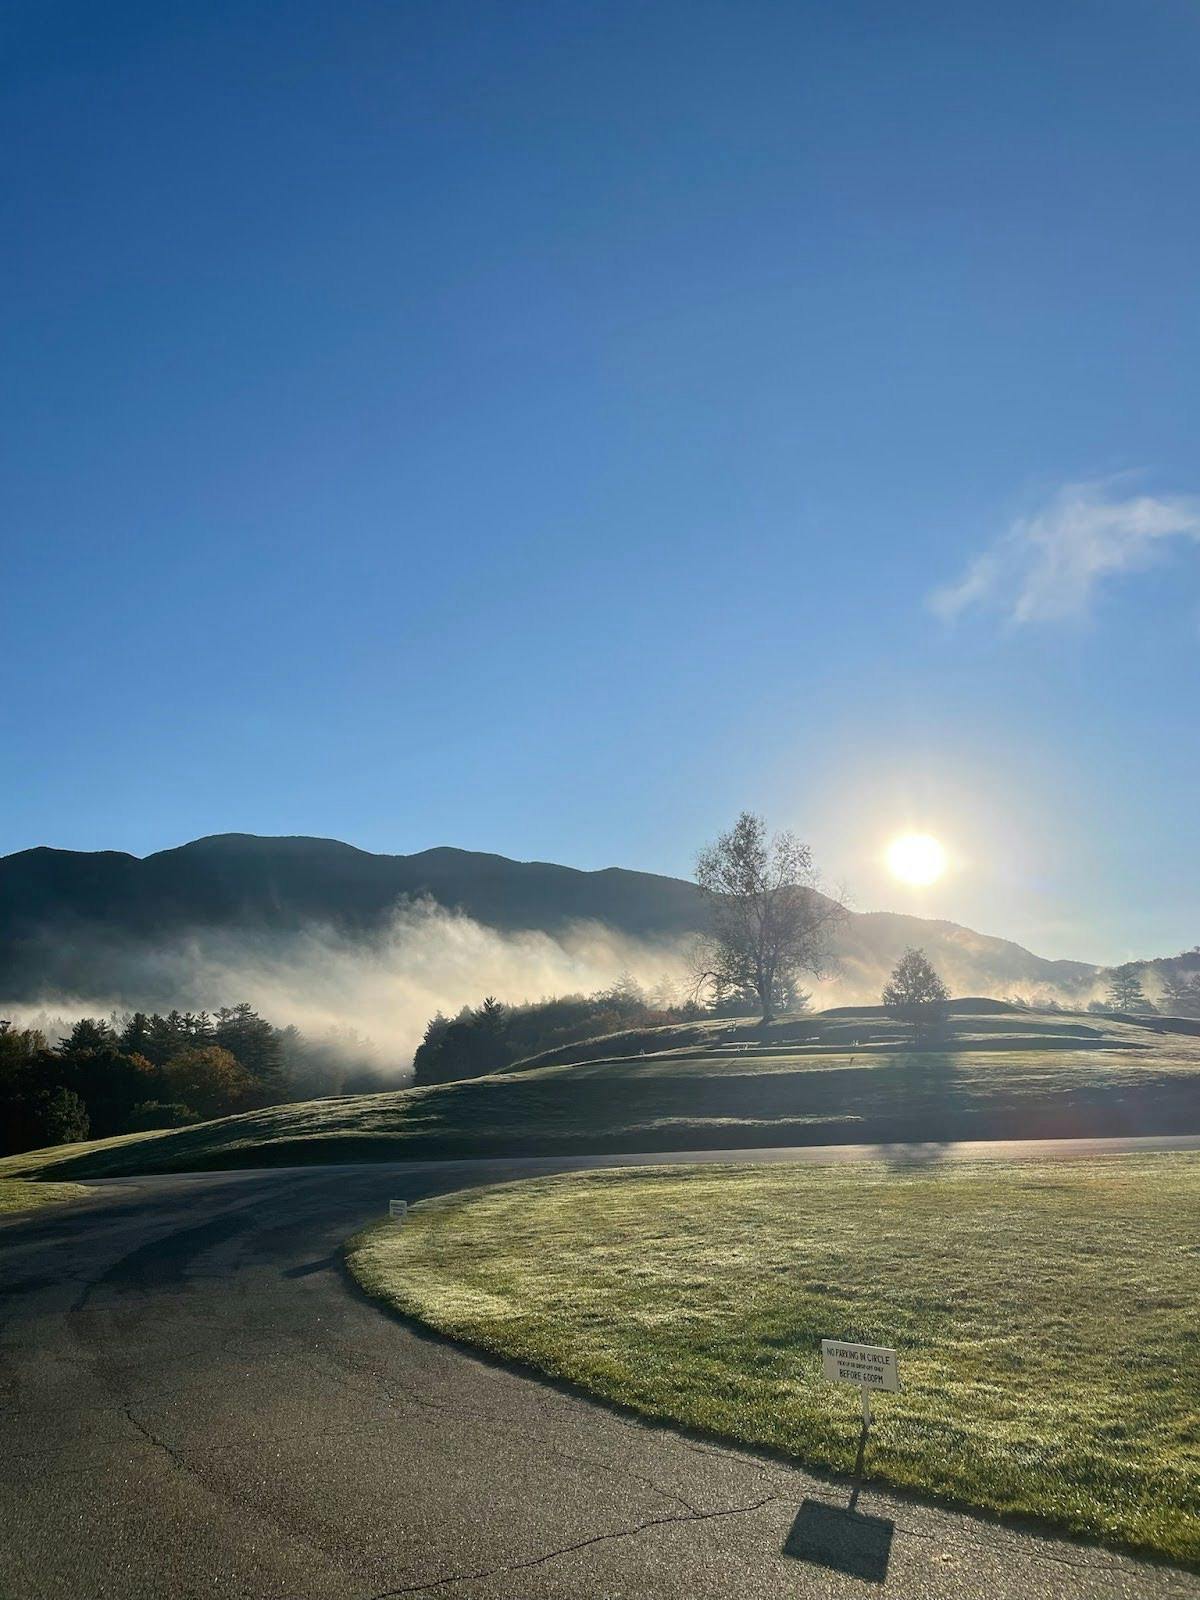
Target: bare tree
(768,922)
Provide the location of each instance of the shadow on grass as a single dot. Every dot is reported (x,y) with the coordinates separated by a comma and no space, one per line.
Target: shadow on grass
(903,1157)
(930,1096)
(846,1540)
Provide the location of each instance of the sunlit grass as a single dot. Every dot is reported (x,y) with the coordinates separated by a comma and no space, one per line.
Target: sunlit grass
(1045,1316)
(826,1080)
(17,1195)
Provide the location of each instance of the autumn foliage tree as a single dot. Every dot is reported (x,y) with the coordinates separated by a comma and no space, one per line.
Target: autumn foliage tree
(127,1074)
(210,1080)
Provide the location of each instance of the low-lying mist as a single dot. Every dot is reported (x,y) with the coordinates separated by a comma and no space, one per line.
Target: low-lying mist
(367,999)
(373,994)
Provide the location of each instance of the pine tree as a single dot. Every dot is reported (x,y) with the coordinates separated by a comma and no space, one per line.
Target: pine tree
(257,1045)
(136,1036)
(88,1034)
(1125,992)
(167,1036)
(198,1026)
(1181,993)
(491,1014)
(914,993)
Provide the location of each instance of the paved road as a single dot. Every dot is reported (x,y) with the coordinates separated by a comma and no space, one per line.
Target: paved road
(194,1403)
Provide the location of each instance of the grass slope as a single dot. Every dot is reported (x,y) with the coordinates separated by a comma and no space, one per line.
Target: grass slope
(842,1077)
(18,1195)
(1044,1315)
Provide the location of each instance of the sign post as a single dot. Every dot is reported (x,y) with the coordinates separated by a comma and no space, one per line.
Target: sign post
(871,1366)
(397,1210)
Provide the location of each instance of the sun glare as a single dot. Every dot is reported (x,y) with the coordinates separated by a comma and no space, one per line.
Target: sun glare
(916,858)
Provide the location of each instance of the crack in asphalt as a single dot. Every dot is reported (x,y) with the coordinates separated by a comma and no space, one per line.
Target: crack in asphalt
(160,1444)
(403,1395)
(409,1397)
(693,1514)
(568,1549)
(618,1471)
(615,1469)
(783,1475)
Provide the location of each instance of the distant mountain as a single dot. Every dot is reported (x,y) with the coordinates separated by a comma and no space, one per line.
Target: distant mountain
(971,963)
(64,913)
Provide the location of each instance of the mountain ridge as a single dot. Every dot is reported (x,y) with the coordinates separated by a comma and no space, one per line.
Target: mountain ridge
(58,907)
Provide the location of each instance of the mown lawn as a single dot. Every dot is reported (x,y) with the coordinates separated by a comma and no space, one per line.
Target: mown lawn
(832,1079)
(17,1195)
(1045,1316)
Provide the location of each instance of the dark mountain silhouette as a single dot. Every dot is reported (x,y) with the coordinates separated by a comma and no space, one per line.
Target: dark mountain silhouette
(63,912)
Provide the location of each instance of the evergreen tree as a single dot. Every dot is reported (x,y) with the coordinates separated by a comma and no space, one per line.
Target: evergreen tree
(1181,993)
(1125,992)
(89,1033)
(135,1037)
(626,996)
(199,1027)
(167,1035)
(257,1045)
(491,1015)
(914,993)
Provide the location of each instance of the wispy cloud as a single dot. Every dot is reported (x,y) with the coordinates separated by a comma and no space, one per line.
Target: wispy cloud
(1048,567)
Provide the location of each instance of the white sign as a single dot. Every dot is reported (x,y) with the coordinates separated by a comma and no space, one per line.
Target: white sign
(397,1210)
(872,1366)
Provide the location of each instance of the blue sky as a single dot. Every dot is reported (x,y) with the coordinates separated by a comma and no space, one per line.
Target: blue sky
(551,428)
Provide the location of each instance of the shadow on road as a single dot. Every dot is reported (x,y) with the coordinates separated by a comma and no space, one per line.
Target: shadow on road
(329,1263)
(846,1540)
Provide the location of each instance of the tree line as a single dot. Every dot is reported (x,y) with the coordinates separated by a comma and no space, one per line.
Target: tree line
(142,1071)
(1180,980)
(491,1036)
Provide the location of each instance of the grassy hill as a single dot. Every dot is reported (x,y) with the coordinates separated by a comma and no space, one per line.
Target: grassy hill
(844,1076)
(18,1195)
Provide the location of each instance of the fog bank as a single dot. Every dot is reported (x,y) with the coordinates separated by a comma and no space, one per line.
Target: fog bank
(368,998)
(385,988)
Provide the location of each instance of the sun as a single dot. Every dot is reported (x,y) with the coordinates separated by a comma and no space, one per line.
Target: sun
(916,858)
